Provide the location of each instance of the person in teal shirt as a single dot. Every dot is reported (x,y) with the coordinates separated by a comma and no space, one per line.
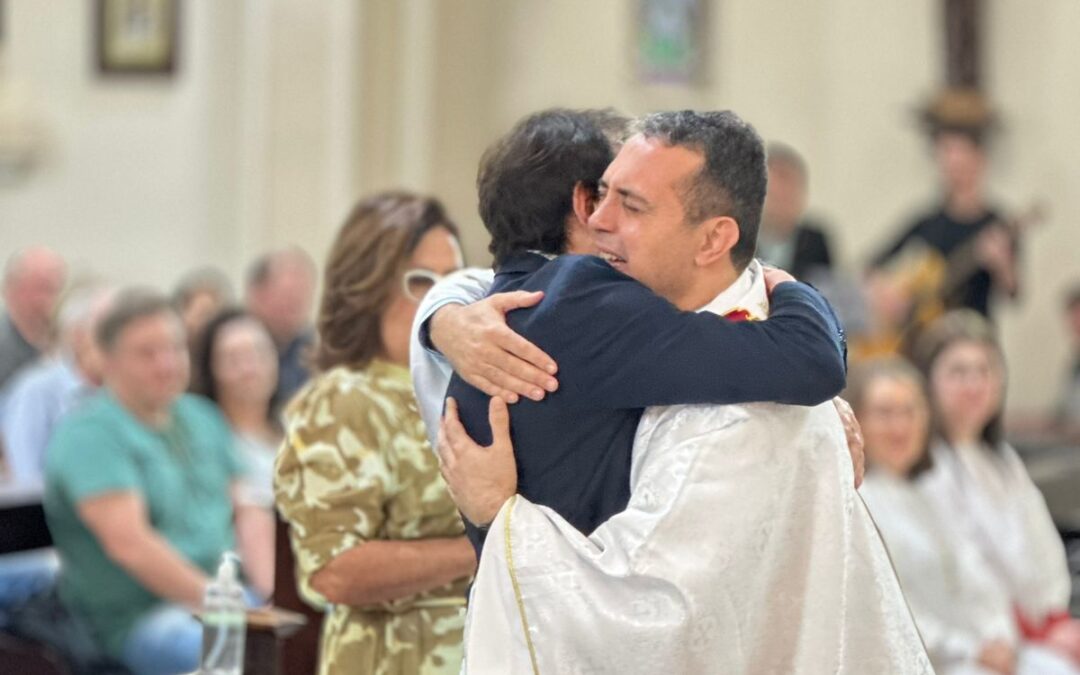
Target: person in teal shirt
(139,495)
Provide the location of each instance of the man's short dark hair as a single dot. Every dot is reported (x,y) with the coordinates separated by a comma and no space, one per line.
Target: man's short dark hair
(733,178)
(526,178)
(130,305)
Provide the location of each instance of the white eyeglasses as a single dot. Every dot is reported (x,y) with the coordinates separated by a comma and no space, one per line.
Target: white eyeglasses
(416,283)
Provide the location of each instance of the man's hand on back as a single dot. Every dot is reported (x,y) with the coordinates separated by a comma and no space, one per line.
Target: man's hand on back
(480,479)
(775,276)
(490,356)
(853,431)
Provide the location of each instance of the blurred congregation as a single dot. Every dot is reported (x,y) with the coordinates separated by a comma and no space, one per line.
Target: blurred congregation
(217,358)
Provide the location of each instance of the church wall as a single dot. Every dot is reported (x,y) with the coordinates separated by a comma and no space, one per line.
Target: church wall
(283,112)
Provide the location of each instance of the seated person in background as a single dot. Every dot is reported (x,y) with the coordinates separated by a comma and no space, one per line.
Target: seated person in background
(32,283)
(787,240)
(280,292)
(236,368)
(373,527)
(980,480)
(964,614)
(42,394)
(1068,414)
(198,296)
(139,494)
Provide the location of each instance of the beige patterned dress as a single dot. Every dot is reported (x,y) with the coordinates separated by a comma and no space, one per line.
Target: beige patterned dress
(356,466)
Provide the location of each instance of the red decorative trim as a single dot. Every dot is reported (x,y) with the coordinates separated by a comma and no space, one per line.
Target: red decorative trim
(1039,631)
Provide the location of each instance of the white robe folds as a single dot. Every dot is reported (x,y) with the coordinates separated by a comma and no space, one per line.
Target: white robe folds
(999,509)
(958,602)
(744,549)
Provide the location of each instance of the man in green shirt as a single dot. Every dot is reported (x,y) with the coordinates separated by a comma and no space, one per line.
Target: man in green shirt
(139,496)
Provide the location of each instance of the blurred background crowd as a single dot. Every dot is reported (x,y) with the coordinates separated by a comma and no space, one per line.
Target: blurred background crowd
(173,177)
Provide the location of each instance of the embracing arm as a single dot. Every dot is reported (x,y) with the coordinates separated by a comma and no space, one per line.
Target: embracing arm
(461,288)
(431,371)
(637,350)
(459,328)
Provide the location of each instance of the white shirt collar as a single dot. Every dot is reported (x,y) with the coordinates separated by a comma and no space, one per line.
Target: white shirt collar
(746,293)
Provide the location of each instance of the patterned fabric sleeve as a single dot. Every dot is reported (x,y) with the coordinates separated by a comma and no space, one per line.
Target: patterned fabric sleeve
(331,480)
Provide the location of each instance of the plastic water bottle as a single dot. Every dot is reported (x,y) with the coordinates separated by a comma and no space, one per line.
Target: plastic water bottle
(224,622)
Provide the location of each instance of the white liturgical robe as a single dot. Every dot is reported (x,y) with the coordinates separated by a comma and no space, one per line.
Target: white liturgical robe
(958,603)
(744,549)
(998,508)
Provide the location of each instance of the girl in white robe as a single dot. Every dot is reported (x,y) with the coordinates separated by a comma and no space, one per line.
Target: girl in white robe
(982,482)
(962,611)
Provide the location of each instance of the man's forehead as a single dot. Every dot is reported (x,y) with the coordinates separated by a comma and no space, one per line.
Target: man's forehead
(652,161)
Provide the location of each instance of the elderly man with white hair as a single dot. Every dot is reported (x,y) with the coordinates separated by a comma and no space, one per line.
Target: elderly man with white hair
(41,394)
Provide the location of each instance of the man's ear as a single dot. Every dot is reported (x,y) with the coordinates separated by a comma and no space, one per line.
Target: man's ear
(721,235)
(584,202)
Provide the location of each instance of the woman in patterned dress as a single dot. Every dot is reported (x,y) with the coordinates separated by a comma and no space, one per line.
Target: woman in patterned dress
(377,538)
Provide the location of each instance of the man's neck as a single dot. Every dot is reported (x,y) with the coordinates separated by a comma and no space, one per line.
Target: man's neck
(709,284)
(152,415)
(965,204)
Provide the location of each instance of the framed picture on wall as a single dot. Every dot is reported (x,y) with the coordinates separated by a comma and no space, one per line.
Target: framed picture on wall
(136,37)
(670,40)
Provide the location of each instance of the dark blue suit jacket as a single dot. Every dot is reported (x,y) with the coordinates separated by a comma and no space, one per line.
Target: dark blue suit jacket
(621,348)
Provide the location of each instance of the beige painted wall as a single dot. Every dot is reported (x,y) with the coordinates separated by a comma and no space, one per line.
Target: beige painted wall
(285,111)
(136,179)
(249,146)
(839,80)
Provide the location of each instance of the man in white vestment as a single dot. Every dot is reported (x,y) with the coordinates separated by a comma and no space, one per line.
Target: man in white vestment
(744,548)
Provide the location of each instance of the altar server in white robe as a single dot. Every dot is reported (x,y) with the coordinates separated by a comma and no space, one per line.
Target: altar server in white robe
(963,613)
(980,479)
(744,549)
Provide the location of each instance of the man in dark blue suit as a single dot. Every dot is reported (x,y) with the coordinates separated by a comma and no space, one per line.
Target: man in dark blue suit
(620,346)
